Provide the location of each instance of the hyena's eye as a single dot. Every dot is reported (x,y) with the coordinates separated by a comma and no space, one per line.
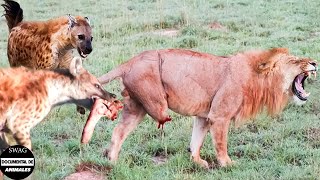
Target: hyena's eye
(81,37)
(91,38)
(97,86)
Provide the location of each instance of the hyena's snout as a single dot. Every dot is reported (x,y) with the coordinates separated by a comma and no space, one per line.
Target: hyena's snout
(103,94)
(110,96)
(88,48)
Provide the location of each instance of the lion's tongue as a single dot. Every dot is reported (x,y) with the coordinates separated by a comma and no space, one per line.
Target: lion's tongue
(299,87)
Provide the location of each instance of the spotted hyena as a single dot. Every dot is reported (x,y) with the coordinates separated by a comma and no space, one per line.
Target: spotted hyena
(45,44)
(27,96)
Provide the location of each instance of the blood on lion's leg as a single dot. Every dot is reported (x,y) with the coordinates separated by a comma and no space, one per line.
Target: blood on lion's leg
(151,94)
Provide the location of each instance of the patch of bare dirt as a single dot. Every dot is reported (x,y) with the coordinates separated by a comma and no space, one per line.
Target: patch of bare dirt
(85,175)
(217,26)
(60,138)
(314,34)
(213,164)
(253,128)
(313,134)
(87,170)
(166,32)
(159,159)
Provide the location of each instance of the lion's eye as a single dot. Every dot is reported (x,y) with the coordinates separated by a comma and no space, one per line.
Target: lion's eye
(81,37)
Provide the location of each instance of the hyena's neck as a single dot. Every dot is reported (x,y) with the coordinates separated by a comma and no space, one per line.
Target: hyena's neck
(59,87)
(61,42)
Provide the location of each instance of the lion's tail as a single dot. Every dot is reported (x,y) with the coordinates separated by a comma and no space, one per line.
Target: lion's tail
(13,13)
(113,74)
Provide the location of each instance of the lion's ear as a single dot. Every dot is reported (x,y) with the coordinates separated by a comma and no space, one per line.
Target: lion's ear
(265,66)
(269,59)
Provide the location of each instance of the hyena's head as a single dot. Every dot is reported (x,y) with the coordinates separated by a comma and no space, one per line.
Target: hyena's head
(81,34)
(84,85)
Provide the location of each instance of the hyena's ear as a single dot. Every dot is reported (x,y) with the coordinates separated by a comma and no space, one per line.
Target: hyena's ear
(72,21)
(76,66)
(88,20)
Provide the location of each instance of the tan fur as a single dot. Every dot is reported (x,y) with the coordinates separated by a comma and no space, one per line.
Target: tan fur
(215,89)
(27,96)
(45,44)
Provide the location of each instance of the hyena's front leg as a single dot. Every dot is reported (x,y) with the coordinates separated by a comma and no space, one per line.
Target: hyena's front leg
(200,129)
(4,141)
(132,115)
(23,137)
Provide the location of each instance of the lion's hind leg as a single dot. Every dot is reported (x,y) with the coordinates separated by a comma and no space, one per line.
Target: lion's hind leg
(150,92)
(200,129)
(132,115)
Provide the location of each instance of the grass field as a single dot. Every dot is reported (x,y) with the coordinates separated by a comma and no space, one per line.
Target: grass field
(282,147)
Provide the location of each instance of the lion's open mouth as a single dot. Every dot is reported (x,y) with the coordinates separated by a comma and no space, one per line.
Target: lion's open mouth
(81,53)
(298,85)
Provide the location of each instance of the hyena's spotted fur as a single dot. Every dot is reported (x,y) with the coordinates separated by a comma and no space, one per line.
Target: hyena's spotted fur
(27,96)
(45,44)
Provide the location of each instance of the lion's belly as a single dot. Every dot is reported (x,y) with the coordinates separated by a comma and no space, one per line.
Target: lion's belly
(189,106)
(191,85)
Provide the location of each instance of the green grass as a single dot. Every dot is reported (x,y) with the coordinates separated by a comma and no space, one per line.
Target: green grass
(283,147)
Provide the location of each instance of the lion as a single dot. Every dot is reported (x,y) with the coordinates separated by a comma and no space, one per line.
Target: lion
(215,89)
(45,44)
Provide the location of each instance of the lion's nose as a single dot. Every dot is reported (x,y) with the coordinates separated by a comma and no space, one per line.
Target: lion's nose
(313,64)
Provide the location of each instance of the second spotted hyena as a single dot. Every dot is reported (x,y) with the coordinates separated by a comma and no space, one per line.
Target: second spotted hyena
(27,96)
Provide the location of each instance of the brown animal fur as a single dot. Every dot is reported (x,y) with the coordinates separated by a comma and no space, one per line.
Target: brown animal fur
(215,89)
(45,44)
(27,96)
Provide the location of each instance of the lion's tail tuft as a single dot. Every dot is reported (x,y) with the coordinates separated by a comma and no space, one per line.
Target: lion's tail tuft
(13,13)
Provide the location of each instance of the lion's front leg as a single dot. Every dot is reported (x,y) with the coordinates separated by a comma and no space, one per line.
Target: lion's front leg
(219,132)
(223,108)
